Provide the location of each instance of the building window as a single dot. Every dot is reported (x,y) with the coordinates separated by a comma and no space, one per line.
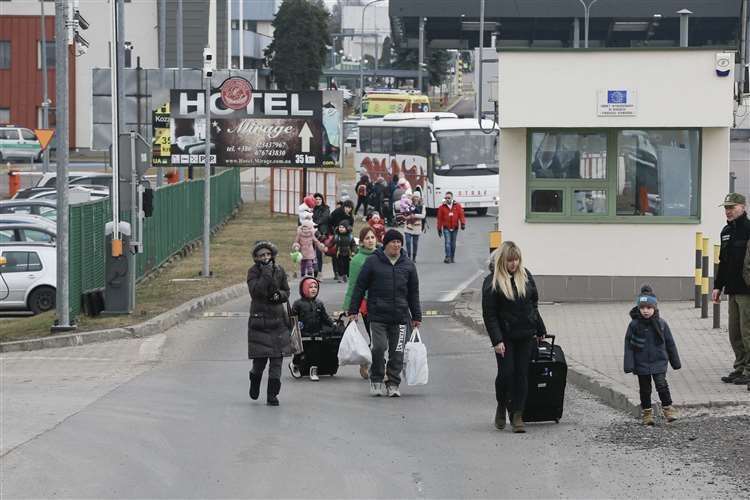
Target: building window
(250,25)
(4,54)
(235,24)
(614,175)
(51,59)
(4,115)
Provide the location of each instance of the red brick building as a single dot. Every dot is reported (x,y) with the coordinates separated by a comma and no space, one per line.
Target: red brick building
(21,74)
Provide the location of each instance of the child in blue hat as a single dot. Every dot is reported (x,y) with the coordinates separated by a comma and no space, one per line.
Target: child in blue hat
(648,347)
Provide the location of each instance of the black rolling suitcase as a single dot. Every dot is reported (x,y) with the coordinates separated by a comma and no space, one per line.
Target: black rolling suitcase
(322,351)
(548,372)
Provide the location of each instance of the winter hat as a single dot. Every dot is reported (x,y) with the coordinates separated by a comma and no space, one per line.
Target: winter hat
(261,244)
(647,297)
(393,234)
(309,201)
(305,284)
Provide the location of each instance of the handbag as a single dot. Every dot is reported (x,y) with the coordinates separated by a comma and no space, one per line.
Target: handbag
(295,334)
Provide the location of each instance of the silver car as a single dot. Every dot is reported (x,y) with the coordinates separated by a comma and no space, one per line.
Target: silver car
(29,277)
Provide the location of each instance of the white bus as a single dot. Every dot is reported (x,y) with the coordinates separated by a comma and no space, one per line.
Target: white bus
(436,152)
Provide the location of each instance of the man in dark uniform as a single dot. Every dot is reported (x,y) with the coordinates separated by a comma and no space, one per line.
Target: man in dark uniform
(734,238)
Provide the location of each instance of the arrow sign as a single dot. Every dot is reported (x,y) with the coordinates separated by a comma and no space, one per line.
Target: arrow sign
(44,135)
(306,134)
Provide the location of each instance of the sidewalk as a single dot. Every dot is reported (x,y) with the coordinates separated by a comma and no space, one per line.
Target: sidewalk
(592,337)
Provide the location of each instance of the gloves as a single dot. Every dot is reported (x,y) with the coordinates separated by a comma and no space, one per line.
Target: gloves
(463,227)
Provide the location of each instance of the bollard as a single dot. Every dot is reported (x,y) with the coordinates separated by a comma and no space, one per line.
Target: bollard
(698,263)
(14,183)
(496,239)
(717,305)
(704,280)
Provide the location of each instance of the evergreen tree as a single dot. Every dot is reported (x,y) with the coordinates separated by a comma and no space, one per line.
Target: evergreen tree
(298,51)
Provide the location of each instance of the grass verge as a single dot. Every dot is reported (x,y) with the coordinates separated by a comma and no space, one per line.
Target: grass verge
(230,259)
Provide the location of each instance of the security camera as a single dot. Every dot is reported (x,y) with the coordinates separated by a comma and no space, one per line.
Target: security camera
(208,55)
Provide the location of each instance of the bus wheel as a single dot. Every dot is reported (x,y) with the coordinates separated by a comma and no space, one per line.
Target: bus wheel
(482,211)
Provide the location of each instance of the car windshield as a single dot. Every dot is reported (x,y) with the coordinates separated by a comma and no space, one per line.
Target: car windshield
(466,150)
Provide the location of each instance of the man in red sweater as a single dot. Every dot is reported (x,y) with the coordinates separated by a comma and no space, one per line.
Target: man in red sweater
(450,217)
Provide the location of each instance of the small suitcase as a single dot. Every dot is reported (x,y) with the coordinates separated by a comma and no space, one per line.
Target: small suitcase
(322,351)
(548,372)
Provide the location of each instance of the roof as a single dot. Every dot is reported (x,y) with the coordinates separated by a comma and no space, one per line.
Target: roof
(447,121)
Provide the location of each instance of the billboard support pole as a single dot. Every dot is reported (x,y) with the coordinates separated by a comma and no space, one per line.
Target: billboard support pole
(207,186)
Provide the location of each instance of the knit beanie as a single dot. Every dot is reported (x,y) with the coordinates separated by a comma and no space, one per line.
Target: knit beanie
(309,201)
(393,234)
(647,297)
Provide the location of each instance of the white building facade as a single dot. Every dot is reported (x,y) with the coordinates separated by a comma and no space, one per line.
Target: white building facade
(610,162)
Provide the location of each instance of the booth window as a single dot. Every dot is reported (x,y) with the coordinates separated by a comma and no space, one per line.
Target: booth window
(613,175)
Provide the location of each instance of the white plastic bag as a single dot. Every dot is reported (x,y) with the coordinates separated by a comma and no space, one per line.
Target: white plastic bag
(353,349)
(416,371)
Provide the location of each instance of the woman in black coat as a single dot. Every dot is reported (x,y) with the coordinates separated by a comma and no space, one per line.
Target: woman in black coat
(509,307)
(321,218)
(268,327)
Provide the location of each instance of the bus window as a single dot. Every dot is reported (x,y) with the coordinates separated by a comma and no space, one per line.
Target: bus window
(365,139)
(387,140)
(398,140)
(423,142)
(410,140)
(377,140)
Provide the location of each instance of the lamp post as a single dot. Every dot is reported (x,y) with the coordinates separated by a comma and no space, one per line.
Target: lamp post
(362,57)
(586,14)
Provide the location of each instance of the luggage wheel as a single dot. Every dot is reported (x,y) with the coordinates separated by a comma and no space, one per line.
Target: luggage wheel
(557,420)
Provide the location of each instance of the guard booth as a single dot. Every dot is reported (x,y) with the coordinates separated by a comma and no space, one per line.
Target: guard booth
(610,161)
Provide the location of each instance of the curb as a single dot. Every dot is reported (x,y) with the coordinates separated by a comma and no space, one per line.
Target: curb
(155,325)
(578,374)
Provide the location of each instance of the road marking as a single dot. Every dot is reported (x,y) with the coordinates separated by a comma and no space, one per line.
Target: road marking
(450,296)
(51,358)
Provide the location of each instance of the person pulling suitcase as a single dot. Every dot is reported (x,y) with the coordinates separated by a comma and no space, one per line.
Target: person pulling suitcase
(509,308)
(319,356)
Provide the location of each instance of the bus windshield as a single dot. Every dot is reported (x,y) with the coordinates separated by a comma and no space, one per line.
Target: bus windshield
(466,152)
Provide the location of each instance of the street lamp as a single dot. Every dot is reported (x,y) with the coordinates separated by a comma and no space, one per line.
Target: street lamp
(586,14)
(361,58)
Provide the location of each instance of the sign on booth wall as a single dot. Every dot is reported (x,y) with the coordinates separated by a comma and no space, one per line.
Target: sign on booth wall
(617,102)
(261,128)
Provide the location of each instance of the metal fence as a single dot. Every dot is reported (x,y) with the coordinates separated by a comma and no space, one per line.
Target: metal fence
(177,220)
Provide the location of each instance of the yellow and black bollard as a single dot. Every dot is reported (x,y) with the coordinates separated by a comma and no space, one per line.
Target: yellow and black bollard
(717,305)
(496,239)
(704,279)
(698,264)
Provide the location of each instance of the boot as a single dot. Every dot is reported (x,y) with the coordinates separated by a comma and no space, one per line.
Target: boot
(517,423)
(670,414)
(648,416)
(274,387)
(255,385)
(500,416)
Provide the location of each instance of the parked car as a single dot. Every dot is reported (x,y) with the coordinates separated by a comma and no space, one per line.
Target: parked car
(31,220)
(19,143)
(29,277)
(23,232)
(43,208)
(99,179)
(77,194)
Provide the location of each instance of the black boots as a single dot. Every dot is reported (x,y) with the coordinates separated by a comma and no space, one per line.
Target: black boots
(274,387)
(500,417)
(255,385)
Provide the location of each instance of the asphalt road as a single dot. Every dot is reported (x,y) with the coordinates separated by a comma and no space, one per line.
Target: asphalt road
(169,417)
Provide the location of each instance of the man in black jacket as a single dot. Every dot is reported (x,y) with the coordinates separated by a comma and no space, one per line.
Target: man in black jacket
(391,283)
(734,239)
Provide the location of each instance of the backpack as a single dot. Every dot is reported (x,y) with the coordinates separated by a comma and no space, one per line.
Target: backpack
(362,190)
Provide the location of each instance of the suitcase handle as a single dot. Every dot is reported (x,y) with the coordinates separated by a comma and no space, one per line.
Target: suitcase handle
(550,336)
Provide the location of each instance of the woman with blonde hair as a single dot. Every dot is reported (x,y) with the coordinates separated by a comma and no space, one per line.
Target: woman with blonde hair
(509,307)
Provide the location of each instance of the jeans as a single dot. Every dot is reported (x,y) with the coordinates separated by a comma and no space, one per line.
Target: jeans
(393,338)
(662,388)
(412,244)
(307,267)
(449,237)
(512,381)
(319,261)
(739,331)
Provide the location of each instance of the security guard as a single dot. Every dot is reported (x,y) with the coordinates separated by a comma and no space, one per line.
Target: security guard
(734,239)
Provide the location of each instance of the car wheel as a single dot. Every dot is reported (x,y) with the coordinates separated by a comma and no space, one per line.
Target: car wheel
(42,299)
(482,211)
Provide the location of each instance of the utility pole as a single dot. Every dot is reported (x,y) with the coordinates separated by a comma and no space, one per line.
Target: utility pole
(421,49)
(480,62)
(162,63)
(179,63)
(45,96)
(241,34)
(362,57)
(209,64)
(62,298)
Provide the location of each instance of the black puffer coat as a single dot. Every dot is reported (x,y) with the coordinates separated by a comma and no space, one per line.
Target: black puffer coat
(734,238)
(321,217)
(312,314)
(649,345)
(507,319)
(392,289)
(269,326)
